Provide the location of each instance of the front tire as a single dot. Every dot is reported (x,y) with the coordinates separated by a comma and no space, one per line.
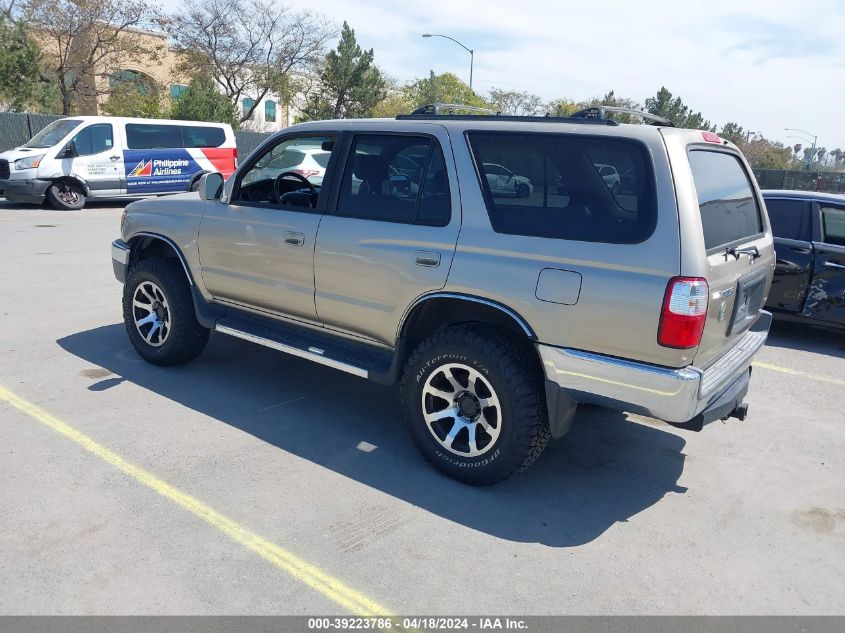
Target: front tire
(159,315)
(474,403)
(66,195)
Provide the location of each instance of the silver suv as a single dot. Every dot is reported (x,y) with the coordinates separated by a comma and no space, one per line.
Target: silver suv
(497,310)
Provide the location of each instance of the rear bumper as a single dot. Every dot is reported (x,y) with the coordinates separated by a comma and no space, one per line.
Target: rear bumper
(27,190)
(685,395)
(120,259)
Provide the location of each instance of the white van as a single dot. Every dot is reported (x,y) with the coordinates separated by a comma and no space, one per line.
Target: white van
(88,157)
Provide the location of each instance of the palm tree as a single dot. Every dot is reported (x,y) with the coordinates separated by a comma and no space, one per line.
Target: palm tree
(796,148)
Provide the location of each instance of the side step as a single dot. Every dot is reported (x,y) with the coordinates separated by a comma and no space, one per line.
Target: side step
(358,359)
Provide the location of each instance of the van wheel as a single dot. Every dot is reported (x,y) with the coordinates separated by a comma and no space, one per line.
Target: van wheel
(159,315)
(66,195)
(474,402)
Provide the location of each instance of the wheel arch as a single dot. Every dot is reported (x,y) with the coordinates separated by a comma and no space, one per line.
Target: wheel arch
(75,178)
(143,245)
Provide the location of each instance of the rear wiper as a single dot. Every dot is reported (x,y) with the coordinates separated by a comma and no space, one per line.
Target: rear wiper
(751,251)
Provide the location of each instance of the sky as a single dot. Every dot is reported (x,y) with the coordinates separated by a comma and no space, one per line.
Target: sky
(765,64)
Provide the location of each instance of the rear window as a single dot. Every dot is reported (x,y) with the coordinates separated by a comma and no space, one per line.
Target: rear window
(729,211)
(566,187)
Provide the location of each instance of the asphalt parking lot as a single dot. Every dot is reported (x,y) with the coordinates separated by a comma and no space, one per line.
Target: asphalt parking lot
(264,484)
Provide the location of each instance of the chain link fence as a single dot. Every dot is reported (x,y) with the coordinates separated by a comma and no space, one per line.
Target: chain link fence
(826,181)
(16,128)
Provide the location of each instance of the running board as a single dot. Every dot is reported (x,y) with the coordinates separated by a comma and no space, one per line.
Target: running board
(326,349)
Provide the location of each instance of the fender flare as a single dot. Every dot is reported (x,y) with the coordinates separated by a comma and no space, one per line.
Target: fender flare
(171,244)
(72,176)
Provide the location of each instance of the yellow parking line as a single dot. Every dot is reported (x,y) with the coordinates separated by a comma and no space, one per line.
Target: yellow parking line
(295,567)
(795,372)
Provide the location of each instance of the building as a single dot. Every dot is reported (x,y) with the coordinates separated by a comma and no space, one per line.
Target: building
(153,68)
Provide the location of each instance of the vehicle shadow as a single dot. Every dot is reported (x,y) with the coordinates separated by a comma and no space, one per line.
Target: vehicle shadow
(806,338)
(606,470)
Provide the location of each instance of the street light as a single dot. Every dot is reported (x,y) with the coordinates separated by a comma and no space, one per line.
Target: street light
(468,50)
(808,135)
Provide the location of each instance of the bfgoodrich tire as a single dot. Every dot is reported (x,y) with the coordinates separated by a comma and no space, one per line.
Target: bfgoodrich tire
(159,315)
(66,195)
(474,403)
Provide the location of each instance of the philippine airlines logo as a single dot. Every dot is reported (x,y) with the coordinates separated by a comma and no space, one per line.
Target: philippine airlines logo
(142,169)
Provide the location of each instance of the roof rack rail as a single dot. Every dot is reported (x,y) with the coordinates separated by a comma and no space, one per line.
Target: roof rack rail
(449,108)
(447,111)
(601,112)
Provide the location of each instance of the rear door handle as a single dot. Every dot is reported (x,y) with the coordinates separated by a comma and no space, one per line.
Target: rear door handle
(427,258)
(294,239)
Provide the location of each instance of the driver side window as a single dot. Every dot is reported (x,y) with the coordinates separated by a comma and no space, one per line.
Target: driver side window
(289,174)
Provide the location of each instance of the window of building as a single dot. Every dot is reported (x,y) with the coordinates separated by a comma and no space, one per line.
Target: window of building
(246,104)
(566,186)
(270,111)
(728,206)
(396,179)
(94,139)
(176,90)
(140,81)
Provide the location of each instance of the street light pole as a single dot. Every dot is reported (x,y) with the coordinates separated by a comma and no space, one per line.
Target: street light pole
(812,149)
(467,49)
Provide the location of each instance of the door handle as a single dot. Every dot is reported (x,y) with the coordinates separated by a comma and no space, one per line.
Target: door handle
(295,239)
(835,265)
(114,158)
(798,249)
(427,258)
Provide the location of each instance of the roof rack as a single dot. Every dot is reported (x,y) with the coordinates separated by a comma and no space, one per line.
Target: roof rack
(449,108)
(447,111)
(601,112)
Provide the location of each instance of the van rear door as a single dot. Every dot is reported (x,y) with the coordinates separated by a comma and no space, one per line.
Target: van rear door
(738,247)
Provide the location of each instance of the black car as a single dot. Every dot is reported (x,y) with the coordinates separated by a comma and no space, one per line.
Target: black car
(809,281)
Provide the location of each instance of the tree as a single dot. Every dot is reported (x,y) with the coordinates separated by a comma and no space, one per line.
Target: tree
(663,104)
(762,153)
(562,107)
(516,103)
(443,88)
(820,153)
(129,98)
(250,48)
(82,39)
(734,133)
(20,79)
(349,85)
(202,101)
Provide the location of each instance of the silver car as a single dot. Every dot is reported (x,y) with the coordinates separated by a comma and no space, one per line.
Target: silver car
(496,316)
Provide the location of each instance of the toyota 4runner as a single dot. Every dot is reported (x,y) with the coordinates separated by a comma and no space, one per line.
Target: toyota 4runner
(485,264)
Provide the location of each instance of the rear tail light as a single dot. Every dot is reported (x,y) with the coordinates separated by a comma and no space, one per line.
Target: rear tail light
(235,156)
(684,312)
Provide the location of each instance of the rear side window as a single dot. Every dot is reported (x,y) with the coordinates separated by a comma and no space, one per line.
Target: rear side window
(729,211)
(566,187)
(202,136)
(790,219)
(833,225)
(152,136)
(396,179)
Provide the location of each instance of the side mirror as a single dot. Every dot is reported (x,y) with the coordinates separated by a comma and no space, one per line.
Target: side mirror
(69,151)
(211,186)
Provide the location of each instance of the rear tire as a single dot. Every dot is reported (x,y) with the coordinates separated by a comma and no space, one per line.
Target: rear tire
(159,314)
(474,403)
(66,195)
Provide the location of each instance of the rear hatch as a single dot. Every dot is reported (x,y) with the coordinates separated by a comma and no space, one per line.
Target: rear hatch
(737,242)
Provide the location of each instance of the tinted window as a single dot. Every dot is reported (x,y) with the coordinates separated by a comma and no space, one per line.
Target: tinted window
(94,139)
(728,207)
(322,158)
(201,136)
(152,136)
(833,225)
(396,179)
(550,185)
(790,219)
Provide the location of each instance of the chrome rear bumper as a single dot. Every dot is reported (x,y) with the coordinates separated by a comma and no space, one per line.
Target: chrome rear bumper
(674,395)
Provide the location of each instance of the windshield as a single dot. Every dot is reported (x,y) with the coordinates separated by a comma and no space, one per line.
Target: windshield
(53,133)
